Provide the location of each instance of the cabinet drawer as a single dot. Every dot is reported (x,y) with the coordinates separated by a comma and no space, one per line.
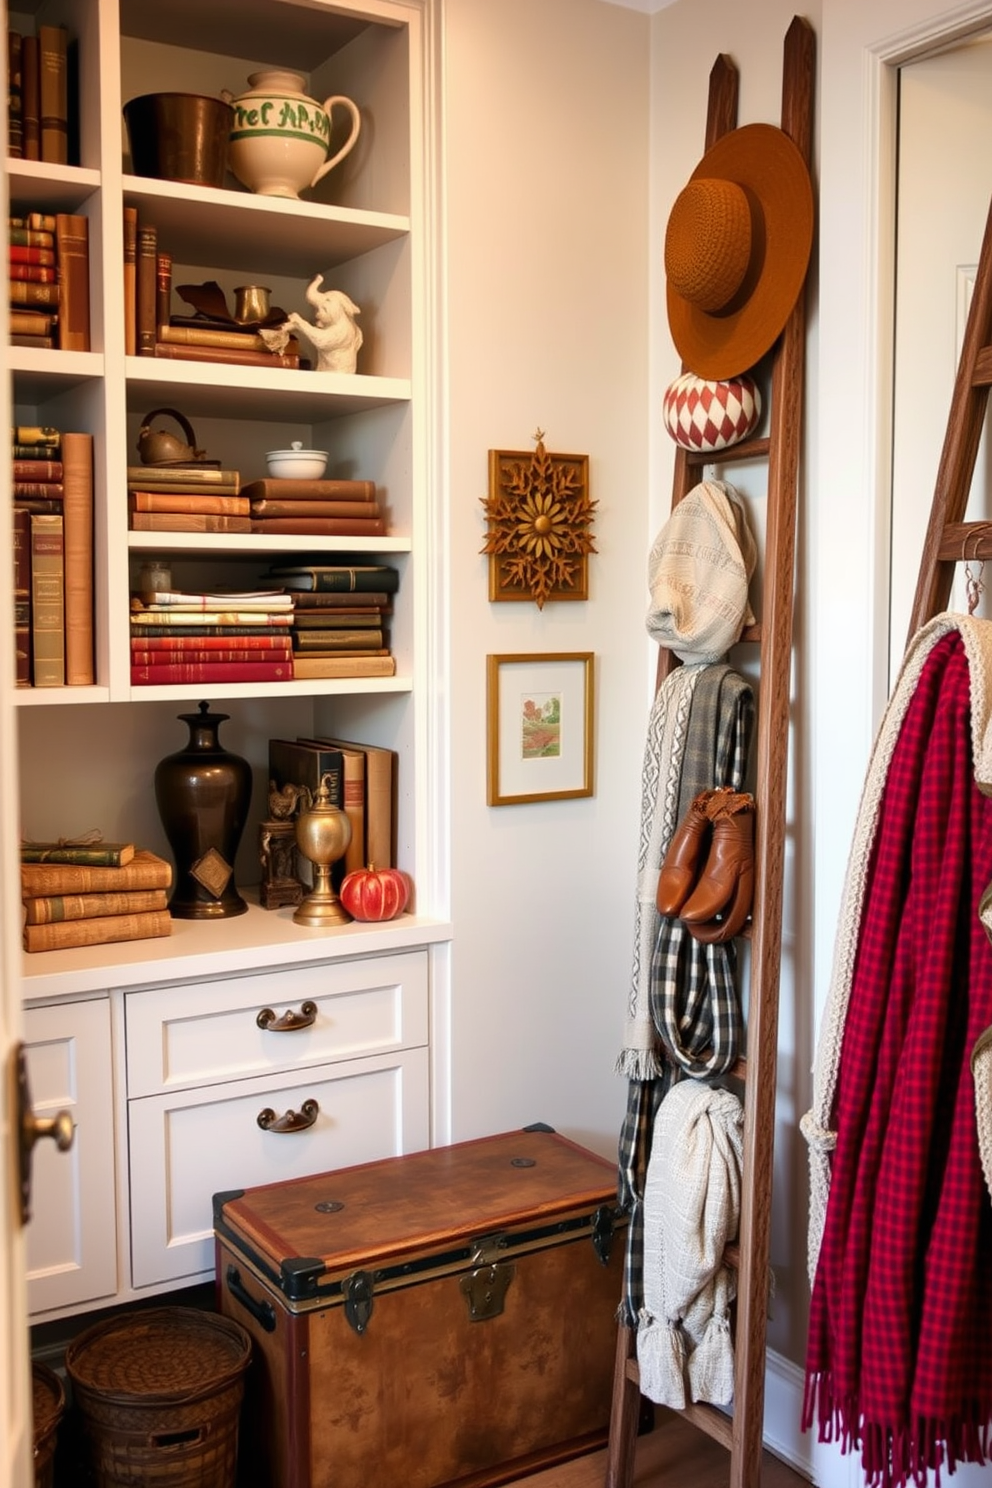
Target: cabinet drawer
(185,1147)
(202,1032)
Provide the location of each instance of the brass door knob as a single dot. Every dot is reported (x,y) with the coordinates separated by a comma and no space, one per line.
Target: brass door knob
(32,1128)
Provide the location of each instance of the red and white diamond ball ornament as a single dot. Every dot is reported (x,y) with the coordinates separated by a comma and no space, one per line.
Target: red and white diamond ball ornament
(702,415)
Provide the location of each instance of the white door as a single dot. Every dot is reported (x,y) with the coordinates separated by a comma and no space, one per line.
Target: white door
(944,190)
(16,1433)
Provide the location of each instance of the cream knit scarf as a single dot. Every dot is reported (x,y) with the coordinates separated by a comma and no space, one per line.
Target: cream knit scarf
(691,1211)
(816,1123)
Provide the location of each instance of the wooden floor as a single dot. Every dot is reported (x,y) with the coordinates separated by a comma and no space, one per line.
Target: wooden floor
(674,1454)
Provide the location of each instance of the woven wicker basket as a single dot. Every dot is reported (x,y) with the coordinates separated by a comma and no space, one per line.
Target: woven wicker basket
(48,1399)
(160,1396)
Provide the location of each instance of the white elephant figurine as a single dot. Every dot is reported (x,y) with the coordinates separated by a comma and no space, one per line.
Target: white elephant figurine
(335,337)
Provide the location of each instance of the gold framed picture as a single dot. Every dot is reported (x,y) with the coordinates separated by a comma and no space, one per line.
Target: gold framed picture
(540,727)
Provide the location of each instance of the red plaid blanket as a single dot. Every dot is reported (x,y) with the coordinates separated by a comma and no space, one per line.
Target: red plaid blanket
(899,1357)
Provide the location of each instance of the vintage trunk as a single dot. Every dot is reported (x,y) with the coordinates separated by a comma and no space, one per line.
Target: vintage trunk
(448,1317)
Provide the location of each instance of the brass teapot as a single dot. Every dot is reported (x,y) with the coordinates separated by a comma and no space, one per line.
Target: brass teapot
(159,447)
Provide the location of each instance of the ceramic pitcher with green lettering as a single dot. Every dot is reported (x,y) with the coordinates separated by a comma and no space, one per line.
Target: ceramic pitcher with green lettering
(280,137)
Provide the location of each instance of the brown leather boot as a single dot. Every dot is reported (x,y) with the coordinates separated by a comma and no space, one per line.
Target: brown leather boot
(686,849)
(725,886)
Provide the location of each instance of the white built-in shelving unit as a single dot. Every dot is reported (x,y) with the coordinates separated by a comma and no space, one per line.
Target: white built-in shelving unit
(86,755)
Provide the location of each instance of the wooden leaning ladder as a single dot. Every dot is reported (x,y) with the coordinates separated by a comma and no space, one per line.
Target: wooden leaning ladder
(742,1431)
(949,539)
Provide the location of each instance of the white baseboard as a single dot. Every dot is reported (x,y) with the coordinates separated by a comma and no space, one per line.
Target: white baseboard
(822,1463)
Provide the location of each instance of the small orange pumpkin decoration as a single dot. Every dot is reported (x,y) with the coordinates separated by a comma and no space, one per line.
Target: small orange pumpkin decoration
(375,893)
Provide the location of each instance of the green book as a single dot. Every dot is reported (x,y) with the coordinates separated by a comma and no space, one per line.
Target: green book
(88,855)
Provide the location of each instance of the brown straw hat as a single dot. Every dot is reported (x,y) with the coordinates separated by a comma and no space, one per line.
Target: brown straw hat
(736,250)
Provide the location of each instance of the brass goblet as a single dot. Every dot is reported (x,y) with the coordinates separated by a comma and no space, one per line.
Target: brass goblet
(322,835)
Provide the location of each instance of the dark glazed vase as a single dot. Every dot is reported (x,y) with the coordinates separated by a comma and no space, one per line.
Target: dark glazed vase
(203,794)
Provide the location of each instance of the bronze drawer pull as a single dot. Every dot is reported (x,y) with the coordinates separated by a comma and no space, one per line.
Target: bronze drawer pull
(289,1121)
(289,1022)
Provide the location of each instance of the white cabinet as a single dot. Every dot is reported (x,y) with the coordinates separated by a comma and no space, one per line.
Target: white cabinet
(203,1118)
(72,1237)
(208,1085)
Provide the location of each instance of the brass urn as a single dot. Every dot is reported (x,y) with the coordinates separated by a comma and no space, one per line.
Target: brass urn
(323,832)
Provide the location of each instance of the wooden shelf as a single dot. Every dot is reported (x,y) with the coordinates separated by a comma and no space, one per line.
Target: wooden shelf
(238,230)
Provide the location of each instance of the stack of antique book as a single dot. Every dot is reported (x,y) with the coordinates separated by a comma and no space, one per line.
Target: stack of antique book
(49,281)
(339,621)
(53,556)
(315,508)
(198,497)
(232,636)
(92,893)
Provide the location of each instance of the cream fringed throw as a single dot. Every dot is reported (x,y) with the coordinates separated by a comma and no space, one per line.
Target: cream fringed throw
(816,1125)
(691,1210)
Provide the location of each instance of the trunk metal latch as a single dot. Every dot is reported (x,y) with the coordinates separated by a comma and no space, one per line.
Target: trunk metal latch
(485,1288)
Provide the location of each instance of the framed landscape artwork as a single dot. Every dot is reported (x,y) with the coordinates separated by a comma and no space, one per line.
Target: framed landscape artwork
(540,727)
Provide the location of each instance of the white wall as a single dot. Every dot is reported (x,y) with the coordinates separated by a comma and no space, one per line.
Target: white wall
(546,113)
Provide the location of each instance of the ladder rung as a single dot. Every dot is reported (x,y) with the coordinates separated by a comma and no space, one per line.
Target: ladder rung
(707,1417)
(982,376)
(961,540)
(748,449)
(710,1420)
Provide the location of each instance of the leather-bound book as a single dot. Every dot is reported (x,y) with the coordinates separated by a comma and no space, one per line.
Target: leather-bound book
(47,600)
(77,512)
(54,93)
(22,596)
(146,287)
(15,133)
(104,930)
(72,246)
(30,98)
(145,871)
(130,281)
(283,488)
(52,909)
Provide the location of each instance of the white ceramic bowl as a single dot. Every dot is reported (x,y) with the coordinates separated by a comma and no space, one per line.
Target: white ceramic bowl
(297,463)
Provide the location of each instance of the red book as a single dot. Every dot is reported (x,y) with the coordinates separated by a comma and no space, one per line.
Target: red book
(187,655)
(37,470)
(170,673)
(25,490)
(20,254)
(164,645)
(32,273)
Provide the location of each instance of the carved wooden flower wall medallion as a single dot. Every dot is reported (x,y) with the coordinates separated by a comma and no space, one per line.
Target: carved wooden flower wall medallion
(540,525)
